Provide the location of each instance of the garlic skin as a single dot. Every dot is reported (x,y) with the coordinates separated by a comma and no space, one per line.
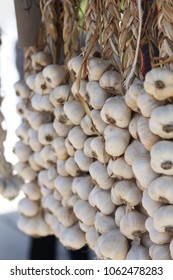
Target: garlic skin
(116,112)
(125,192)
(161,189)
(96,95)
(158,83)
(87,126)
(75,64)
(132,224)
(84,212)
(60,115)
(97,121)
(66,216)
(87,147)
(163,219)
(69,147)
(91,237)
(64,185)
(156,237)
(22,132)
(40,85)
(81,91)
(82,186)
(161,121)
(116,140)
(41,59)
(72,168)
(161,157)
(113,245)
(171,248)
(34,143)
(58,145)
(54,75)
(61,129)
(61,168)
(159,252)
(30,81)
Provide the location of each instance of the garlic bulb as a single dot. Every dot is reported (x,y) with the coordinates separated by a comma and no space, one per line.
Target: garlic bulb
(119,213)
(82,160)
(47,154)
(143,171)
(133,126)
(61,129)
(99,175)
(87,126)
(132,95)
(54,74)
(161,189)
(98,150)
(149,204)
(101,199)
(158,83)
(60,115)
(163,219)
(59,147)
(25,171)
(161,121)
(104,223)
(91,237)
(82,186)
(75,64)
(96,95)
(44,180)
(113,245)
(145,240)
(66,216)
(159,252)
(40,85)
(46,133)
(87,147)
(22,132)
(121,169)
(72,168)
(77,137)
(96,67)
(147,138)
(74,111)
(73,237)
(110,79)
(116,112)
(135,149)
(59,95)
(61,168)
(32,162)
(41,103)
(84,212)
(22,151)
(69,147)
(31,190)
(21,108)
(28,207)
(64,185)
(41,59)
(137,252)
(81,91)
(22,90)
(156,236)
(125,192)
(146,103)
(132,224)
(97,121)
(161,157)
(30,81)
(36,119)
(116,140)
(33,140)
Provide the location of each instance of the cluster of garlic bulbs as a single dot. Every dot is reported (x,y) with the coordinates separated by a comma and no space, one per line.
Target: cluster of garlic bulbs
(97,165)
